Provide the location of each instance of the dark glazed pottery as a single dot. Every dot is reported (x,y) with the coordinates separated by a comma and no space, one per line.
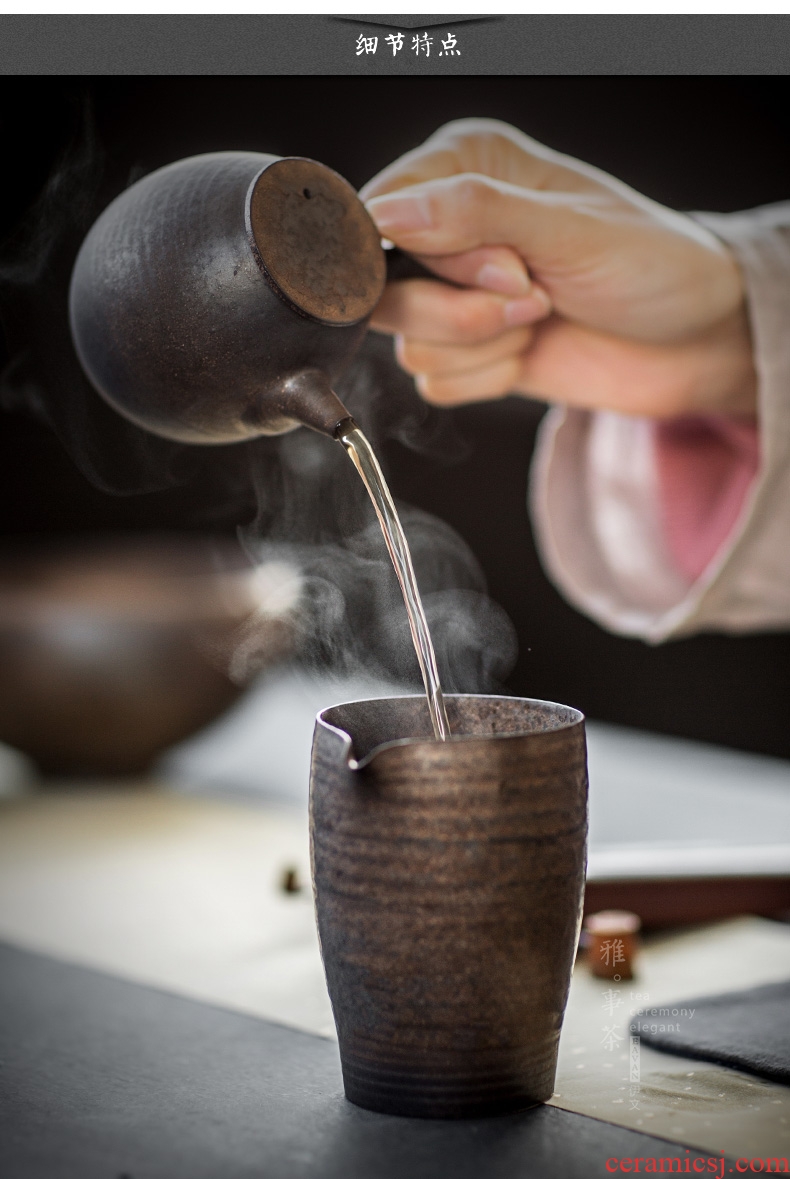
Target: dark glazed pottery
(219,297)
(449,880)
(112,649)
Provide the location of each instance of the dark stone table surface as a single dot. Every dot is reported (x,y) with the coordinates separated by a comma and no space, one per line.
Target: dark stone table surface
(105,1079)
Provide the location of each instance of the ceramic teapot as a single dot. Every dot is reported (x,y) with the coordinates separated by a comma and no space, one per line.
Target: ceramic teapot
(220,297)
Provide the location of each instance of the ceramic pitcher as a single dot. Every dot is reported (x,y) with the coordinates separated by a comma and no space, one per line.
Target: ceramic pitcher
(448,881)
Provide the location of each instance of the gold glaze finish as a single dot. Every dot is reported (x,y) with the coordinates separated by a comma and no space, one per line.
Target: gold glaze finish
(449,881)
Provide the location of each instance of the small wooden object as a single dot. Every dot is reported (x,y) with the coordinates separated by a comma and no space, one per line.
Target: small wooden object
(290,881)
(611,941)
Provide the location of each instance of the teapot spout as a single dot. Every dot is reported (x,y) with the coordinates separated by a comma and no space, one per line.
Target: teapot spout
(308,398)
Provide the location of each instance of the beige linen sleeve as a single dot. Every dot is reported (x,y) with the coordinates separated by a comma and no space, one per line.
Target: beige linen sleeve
(594,491)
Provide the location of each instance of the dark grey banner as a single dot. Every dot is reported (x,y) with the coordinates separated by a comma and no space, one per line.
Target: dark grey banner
(400,45)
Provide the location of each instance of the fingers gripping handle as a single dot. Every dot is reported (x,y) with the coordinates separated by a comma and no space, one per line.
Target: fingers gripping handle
(402,266)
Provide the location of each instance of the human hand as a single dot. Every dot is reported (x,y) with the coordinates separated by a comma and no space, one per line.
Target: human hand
(580,290)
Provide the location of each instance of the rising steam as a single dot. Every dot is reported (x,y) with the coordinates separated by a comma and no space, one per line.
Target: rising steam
(313,526)
(314,516)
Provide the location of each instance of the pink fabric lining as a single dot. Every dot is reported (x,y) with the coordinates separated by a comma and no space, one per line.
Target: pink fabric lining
(705,468)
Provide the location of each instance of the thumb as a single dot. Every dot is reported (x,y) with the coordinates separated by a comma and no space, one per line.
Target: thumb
(460,213)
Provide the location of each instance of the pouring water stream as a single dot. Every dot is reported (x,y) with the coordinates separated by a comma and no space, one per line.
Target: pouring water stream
(364,459)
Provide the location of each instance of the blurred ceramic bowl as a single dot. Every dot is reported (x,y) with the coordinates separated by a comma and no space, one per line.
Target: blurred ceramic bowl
(111,650)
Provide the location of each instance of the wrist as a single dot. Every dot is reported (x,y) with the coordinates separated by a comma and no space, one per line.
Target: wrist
(722,378)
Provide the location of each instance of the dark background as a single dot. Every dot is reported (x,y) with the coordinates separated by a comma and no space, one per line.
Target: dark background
(70,145)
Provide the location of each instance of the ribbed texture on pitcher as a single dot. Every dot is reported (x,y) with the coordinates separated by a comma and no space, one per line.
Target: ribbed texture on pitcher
(449,881)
